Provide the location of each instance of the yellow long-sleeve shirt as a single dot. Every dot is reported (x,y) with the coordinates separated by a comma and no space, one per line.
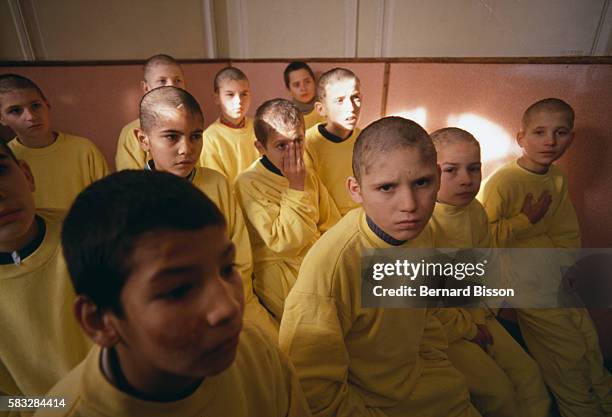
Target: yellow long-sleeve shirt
(355,361)
(227,150)
(283,223)
(460,227)
(331,158)
(503,195)
(218,189)
(260,382)
(129,155)
(63,169)
(312,118)
(563,341)
(41,339)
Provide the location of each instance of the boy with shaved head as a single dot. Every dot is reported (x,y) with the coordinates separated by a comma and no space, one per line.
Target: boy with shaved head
(286,205)
(528,206)
(158,71)
(171,132)
(356,361)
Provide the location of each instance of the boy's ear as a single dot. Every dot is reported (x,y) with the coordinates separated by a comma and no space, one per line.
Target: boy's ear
(519,138)
(143,139)
(144,86)
(216,99)
(439,177)
(98,325)
(27,172)
(354,189)
(320,108)
(260,147)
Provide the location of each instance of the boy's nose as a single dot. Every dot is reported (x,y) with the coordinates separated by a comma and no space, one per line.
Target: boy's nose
(407,200)
(223,307)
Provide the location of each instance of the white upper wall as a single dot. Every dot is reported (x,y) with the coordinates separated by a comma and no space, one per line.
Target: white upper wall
(116,29)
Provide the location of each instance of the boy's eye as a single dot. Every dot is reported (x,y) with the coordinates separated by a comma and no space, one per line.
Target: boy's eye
(196,136)
(245,94)
(36,106)
(171,137)
(228,270)
(474,169)
(449,170)
(385,188)
(178,292)
(15,110)
(281,146)
(422,182)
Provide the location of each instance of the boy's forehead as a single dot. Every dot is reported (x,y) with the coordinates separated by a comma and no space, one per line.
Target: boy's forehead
(459,147)
(167,117)
(19,96)
(299,74)
(342,87)
(164,70)
(234,85)
(548,117)
(390,162)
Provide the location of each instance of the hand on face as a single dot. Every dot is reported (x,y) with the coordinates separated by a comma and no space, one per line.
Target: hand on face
(293,165)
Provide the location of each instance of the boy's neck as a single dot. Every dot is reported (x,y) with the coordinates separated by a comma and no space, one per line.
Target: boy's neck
(146,384)
(22,241)
(40,141)
(233,123)
(336,130)
(532,166)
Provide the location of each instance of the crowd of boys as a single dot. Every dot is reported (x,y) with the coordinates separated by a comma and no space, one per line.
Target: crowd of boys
(218,272)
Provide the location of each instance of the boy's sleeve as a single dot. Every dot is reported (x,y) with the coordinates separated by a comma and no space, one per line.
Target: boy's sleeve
(285,228)
(457,323)
(129,155)
(98,166)
(239,235)
(212,156)
(297,406)
(328,211)
(564,228)
(312,335)
(503,229)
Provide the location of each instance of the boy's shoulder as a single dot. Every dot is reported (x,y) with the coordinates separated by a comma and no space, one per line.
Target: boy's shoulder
(218,130)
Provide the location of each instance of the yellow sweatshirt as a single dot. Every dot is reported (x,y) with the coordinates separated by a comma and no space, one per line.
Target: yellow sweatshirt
(227,150)
(503,195)
(63,169)
(331,158)
(355,361)
(218,189)
(260,382)
(41,339)
(283,223)
(129,154)
(312,118)
(460,227)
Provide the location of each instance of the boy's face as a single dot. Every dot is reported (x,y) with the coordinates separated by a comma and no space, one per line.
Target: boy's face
(461,173)
(16,202)
(182,304)
(545,138)
(398,192)
(301,85)
(342,104)
(162,75)
(26,112)
(234,99)
(174,141)
(278,144)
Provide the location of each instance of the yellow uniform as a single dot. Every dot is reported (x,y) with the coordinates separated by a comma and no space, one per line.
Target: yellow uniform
(260,382)
(332,158)
(129,154)
(41,339)
(312,118)
(504,381)
(563,341)
(63,169)
(217,188)
(355,361)
(283,223)
(227,150)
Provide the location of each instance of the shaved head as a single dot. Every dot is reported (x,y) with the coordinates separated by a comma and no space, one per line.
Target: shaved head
(386,135)
(277,115)
(161,100)
(451,135)
(551,105)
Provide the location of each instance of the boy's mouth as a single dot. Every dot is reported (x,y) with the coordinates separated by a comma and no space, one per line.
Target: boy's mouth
(9,215)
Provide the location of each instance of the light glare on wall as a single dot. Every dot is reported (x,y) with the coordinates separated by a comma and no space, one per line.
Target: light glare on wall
(495,142)
(419,115)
